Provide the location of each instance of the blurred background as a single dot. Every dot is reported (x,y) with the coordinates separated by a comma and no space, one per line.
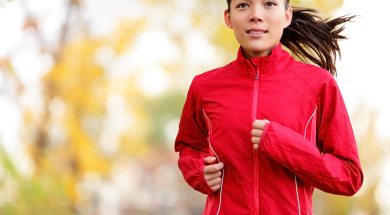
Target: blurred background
(91,93)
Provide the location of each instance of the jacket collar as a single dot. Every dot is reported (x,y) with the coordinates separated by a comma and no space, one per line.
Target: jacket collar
(267,65)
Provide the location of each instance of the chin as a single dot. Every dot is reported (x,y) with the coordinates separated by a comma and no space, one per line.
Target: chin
(262,48)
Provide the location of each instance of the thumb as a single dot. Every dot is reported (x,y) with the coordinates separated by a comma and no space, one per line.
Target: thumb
(210,160)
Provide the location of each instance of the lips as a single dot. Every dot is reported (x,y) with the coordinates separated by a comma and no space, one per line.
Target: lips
(256,31)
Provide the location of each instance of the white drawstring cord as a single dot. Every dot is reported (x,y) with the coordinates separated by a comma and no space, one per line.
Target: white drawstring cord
(223,171)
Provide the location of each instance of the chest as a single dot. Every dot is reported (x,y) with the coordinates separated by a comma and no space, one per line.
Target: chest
(232,107)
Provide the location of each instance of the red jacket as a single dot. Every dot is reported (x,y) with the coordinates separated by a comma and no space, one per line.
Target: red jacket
(309,142)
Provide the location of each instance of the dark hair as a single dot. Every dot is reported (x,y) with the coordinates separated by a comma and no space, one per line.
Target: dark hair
(312,38)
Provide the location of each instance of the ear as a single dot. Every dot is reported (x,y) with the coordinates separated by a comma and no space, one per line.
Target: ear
(289,14)
(228,19)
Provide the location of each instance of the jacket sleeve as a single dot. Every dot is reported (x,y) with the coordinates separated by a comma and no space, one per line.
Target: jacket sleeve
(191,142)
(333,164)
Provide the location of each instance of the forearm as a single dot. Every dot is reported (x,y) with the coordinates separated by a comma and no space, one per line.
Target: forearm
(335,172)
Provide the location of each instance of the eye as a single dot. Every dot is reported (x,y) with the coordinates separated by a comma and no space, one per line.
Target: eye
(270,4)
(242,5)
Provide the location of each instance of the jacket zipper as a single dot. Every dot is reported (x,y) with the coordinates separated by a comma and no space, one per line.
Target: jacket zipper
(255,158)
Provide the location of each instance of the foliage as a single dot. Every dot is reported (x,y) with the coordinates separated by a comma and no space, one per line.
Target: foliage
(23,195)
(99,137)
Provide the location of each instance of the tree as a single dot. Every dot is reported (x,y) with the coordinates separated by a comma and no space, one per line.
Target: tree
(100,132)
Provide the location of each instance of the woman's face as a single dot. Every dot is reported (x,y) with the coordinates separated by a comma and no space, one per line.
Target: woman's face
(258,24)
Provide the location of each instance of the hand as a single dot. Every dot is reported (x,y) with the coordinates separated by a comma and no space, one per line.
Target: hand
(257,131)
(212,173)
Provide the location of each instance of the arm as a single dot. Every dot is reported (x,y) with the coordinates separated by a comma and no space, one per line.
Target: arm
(191,142)
(333,165)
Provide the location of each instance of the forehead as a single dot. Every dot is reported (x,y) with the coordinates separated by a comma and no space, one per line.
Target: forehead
(257,0)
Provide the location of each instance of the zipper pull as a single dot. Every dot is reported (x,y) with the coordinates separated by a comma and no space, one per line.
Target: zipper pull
(256,77)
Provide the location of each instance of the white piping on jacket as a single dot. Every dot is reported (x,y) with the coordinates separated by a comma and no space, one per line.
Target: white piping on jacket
(296,183)
(296,189)
(223,171)
(309,121)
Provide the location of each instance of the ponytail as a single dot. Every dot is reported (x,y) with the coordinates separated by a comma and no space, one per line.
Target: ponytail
(310,37)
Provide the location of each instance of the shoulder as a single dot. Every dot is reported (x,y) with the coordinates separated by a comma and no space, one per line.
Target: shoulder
(313,76)
(201,82)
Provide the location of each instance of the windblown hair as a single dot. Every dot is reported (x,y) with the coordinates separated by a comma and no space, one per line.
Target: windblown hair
(312,38)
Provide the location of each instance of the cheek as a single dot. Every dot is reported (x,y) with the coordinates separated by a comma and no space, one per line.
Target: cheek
(237,28)
(278,20)
(237,22)
(278,25)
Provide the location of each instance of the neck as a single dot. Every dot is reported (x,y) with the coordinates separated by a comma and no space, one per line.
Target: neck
(249,54)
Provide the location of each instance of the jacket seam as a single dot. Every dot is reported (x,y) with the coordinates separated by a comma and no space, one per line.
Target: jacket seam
(202,93)
(313,91)
(345,142)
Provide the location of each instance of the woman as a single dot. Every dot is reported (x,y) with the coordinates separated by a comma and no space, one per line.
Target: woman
(259,134)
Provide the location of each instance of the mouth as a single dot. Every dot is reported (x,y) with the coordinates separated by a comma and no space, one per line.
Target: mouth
(256,31)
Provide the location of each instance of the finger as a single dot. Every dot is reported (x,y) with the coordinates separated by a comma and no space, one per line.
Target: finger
(215,182)
(260,124)
(212,176)
(255,140)
(209,160)
(255,146)
(256,124)
(215,188)
(256,132)
(213,168)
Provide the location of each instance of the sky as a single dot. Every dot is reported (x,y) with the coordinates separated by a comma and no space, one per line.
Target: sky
(364,75)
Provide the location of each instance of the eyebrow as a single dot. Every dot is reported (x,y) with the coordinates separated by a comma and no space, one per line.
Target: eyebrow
(243,0)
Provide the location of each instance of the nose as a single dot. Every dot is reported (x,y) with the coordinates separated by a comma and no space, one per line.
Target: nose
(254,19)
(256,15)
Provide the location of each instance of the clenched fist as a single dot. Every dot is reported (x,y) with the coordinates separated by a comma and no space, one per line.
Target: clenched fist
(257,131)
(212,173)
